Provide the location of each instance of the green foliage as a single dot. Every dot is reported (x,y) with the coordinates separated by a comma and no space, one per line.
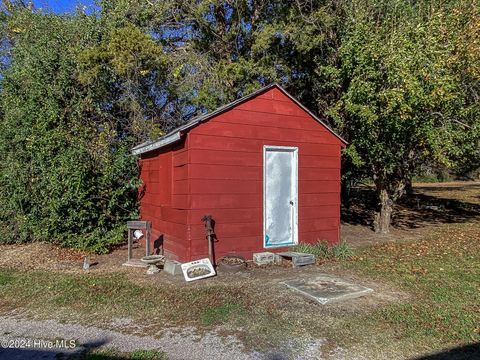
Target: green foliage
(342,251)
(66,174)
(148,355)
(400,94)
(440,176)
(233,48)
(127,70)
(398,80)
(323,250)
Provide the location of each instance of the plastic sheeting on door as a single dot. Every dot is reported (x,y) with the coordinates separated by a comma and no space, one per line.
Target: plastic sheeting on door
(280,196)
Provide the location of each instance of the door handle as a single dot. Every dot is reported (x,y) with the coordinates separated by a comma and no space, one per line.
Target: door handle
(291,202)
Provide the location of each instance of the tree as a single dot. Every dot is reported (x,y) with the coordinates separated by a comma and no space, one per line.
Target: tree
(63,167)
(231,48)
(398,80)
(402,103)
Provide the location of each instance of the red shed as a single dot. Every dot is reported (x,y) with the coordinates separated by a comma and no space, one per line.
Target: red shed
(264,167)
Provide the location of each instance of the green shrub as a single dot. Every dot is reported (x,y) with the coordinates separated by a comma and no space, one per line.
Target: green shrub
(65,170)
(342,251)
(320,249)
(323,250)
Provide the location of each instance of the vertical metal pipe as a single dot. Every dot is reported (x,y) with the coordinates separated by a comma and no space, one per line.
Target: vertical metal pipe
(129,244)
(210,236)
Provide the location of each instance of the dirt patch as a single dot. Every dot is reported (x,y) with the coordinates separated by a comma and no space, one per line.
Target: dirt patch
(39,256)
(259,281)
(46,256)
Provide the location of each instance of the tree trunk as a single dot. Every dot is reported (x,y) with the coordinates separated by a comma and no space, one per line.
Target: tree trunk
(408,186)
(383,215)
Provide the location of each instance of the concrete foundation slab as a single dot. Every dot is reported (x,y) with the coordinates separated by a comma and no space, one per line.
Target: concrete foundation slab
(327,289)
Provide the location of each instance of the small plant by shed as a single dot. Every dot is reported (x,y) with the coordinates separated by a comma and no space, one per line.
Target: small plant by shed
(265,168)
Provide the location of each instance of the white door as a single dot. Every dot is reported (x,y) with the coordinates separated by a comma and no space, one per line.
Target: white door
(280,225)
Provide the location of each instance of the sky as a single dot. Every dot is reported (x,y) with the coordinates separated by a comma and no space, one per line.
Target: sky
(61,6)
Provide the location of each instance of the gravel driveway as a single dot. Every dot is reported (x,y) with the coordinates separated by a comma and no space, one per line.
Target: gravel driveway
(34,336)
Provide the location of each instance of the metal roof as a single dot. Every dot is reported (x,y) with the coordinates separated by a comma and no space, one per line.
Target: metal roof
(176,134)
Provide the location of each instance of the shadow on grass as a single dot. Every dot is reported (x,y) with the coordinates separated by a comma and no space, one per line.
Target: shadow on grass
(415,210)
(466,352)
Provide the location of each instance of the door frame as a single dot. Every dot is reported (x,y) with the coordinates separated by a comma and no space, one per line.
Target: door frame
(294,151)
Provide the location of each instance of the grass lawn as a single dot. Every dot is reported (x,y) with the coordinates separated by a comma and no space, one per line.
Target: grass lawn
(115,355)
(92,297)
(438,275)
(442,275)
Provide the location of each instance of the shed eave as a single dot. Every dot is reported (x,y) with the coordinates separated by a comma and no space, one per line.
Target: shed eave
(157,144)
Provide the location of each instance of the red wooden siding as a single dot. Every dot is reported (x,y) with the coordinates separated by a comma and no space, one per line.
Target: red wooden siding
(226,174)
(218,169)
(164,174)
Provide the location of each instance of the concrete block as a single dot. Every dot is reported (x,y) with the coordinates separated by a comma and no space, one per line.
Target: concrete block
(172,267)
(264,258)
(278,259)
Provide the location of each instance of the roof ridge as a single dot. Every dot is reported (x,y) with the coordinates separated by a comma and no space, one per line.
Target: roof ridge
(175,134)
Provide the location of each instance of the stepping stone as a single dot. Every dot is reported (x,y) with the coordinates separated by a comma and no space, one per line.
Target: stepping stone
(135,263)
(298,259)
(327,289)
